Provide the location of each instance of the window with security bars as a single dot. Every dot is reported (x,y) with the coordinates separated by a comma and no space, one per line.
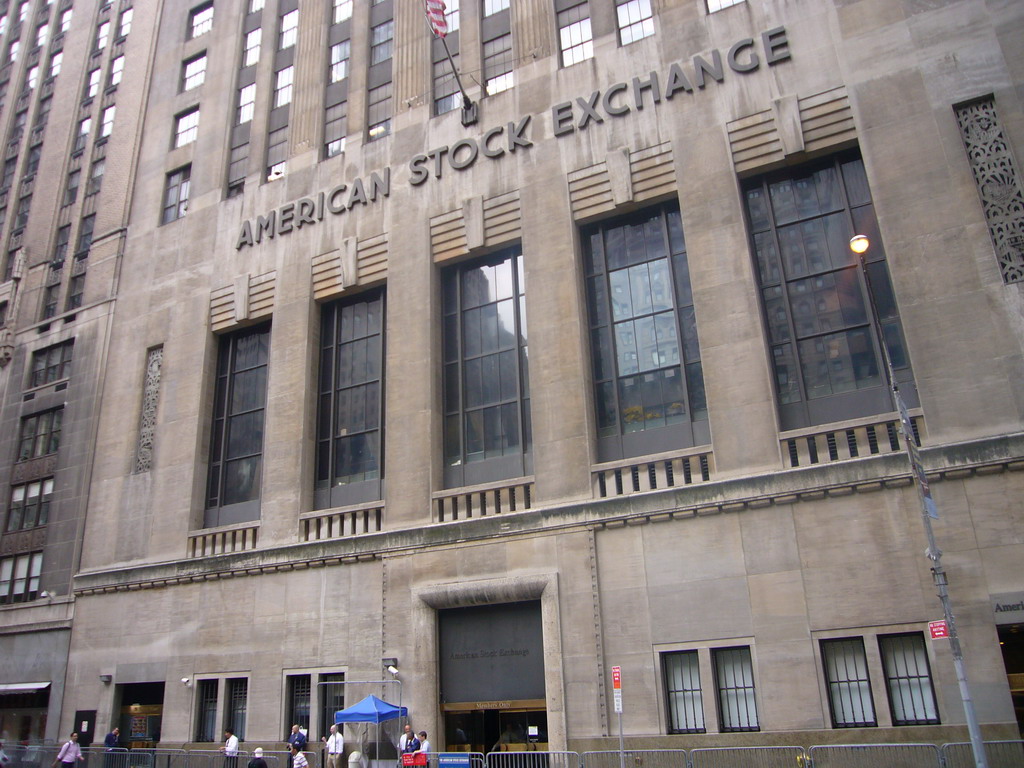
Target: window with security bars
(51,364)
(237,705)
(575,37)
(822,335)
(40,434)
(350,440)
(176,190)
(848,683)
(681,672)
(236,439)
(30,505)
(299,688)
(648,379)
(206,710)
(636,20)
(19,577)
(734,680)
(331,693)
(487,433)
(908,679)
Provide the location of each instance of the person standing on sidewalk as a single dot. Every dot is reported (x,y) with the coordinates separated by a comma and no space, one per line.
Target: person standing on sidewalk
(70,753)
(335,744)
(298,759)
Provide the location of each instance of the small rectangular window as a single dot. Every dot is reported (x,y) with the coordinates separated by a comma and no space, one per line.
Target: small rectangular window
(574,34)
(636,20)
(71,186)
(96,172)
(492,7)
(102,36)
(381,42)
(379,112)
(193,72)
(283,86)
(176,189)
(40,434)
(339,61)
(116,70)
(30,505)
(289,30)
(65,20)
(251,52)
(92,87)
(125,25)
(277,153)
(186,127)
(246,103)
(447,96)
(498,74)
(200,20)
(206,710)
(56,60)
(85,232)
(19,577)
(717,5)
(342,11)
(335,119)
(52,363)
(107,121)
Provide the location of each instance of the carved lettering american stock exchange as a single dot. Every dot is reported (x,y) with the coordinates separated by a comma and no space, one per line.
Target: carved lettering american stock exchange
(567,117)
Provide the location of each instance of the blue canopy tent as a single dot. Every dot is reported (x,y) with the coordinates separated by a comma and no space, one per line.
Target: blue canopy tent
(371,710)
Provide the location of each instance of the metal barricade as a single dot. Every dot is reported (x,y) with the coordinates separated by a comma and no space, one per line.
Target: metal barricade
(476,759)
(748,757)
(157,758)
(101,757)
(999,754)
(532,760)
(636,758)
(875,756)
(30,756)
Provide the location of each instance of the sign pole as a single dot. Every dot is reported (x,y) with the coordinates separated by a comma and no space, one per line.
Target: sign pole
(617,697)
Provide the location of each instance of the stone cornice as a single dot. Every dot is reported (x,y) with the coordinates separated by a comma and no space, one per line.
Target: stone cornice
(791,486)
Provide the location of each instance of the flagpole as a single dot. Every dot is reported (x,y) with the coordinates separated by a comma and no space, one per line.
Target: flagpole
(859,245)
(469,110)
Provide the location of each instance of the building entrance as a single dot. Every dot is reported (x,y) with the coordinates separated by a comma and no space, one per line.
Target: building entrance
(497,730)
(1011,641)
(492,678)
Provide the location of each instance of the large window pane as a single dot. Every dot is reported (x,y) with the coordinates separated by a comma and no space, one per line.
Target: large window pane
(682,687)
(486,390)
(734,676)
(908,679)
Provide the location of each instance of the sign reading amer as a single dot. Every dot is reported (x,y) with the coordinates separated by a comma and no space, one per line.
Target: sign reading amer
(615,101)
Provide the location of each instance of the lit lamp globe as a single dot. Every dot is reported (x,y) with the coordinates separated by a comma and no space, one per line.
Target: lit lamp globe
(859,244)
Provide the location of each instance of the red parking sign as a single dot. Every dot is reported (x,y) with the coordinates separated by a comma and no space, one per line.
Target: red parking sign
(939,629)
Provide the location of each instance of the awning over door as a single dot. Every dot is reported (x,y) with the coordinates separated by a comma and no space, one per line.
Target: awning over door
(22,687)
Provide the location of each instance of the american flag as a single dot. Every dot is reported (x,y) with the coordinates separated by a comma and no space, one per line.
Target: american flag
(435,17)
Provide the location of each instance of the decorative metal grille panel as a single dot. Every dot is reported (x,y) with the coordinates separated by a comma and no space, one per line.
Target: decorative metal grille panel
(147,419)
(999,183)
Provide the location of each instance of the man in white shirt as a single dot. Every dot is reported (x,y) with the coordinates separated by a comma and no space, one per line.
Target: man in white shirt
(335,744)
(230,749)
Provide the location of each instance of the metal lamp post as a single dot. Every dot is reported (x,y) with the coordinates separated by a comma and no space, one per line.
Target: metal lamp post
(859,245)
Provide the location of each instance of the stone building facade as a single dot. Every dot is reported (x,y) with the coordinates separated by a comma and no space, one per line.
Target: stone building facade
(579,375)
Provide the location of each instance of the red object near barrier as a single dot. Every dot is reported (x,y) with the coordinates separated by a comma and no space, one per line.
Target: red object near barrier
(419,758)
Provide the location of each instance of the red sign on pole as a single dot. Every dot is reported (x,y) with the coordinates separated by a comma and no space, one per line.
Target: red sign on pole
(939,629)
(616,677)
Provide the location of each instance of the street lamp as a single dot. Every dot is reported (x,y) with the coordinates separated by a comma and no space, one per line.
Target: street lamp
(859,245)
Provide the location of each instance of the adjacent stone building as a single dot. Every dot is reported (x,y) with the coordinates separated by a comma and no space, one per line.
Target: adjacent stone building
(505,389)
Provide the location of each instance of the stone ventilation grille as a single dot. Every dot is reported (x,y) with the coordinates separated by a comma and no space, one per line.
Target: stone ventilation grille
(792,125)
(623,177)
(250,298)
(479,222)
(147,419)
(999,184)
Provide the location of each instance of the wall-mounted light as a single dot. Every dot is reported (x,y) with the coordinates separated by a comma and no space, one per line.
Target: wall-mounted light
(390,664)
(186,681)
(106,678)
